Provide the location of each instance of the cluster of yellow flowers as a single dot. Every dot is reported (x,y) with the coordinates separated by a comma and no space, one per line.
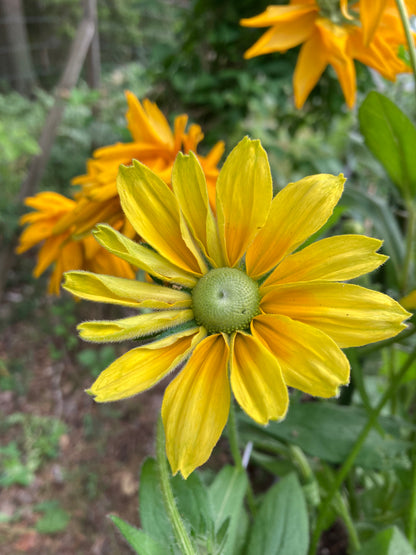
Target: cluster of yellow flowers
(232,299)
(63,226)
(334,33)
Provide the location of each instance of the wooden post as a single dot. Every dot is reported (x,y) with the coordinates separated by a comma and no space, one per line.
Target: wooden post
(93,63)
(70,76)
(24,78)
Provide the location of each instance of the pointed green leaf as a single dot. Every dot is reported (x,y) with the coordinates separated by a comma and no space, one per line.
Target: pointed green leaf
(281,524)
(387,542)
(138,540)
(152,510)
(391,137)
(227,497)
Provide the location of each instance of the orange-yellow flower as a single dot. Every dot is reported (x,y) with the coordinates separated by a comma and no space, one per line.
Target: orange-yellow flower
(332,37)
(64,225)
(59,248)
(244,311)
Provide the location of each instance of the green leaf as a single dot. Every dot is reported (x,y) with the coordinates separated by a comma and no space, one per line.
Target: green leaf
(194,505)
(227,497)
(391,137)
(385,224)
(152,510)
(329,431)
(281,524)
(138,540)
(387,542)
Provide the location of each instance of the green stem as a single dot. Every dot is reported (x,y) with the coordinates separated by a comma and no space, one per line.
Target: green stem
(411,520)
(235,452)
(344,512)
(408,32)
(346,467)
(410,235)
(178,526)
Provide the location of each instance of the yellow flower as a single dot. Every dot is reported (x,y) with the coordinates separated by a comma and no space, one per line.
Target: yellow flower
(154,144)
(237,306)
(332,37)
(64,225)
(59,248)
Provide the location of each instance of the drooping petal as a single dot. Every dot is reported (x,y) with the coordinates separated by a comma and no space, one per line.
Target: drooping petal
(256,379)
(310,360)
(190,187)
(338,258)
(291,27)
(370,14)
(244,193)
(152,209)
(142,367)
(196,405)
(141,256)
(126,292)
(297,211)
(335,42)
(101,331)
(350,314)
(311,63)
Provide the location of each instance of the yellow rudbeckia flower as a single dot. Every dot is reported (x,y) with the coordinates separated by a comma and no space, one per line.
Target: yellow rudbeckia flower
(60,249)
(63,226)
(237,306)
(332,35)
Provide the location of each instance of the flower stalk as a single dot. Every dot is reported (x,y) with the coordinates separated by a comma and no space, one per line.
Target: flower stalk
(346,467)
(172,512)
(408,32)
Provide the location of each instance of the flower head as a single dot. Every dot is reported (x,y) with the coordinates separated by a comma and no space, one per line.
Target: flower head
(63,226)
(370,32)
(235,304)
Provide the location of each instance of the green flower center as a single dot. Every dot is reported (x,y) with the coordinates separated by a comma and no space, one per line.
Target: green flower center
(225,300)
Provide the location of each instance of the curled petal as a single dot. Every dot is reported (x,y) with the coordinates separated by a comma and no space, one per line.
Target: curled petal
(141,256)
(101,331)
(126,292)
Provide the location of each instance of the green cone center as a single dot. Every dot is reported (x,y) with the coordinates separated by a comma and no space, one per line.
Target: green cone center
(225,300)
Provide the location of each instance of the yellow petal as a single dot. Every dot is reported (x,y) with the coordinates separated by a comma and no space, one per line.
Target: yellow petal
(350,314)
(190,187)
(334,259)
(101,331)
(409,301)
(244,193)
(196,405)
(142,367)
(256,380)
(274,15)
(370,14)
(152,209)
(297,211)
(310,360)
(126,292)
(141,256)
(289,30)
(311,63)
